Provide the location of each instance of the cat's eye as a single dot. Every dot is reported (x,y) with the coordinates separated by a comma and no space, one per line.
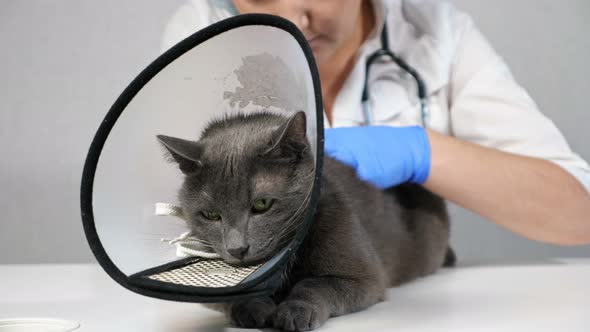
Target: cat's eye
(262,205)
(214,216)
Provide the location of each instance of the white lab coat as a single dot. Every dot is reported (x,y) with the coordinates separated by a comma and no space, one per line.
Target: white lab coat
(473,95)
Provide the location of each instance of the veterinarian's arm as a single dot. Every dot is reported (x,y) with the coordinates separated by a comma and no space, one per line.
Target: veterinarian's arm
(529,196)
(507,161)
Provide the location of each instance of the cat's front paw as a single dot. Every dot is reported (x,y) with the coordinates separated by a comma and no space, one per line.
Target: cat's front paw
(253,313)
(299,316)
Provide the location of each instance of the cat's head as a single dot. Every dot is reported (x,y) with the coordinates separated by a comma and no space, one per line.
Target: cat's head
(246,183)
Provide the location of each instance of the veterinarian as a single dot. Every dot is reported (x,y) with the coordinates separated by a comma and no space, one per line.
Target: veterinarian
(446,114)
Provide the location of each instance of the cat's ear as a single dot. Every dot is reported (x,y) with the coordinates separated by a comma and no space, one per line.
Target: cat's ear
(289,140)
(185,153)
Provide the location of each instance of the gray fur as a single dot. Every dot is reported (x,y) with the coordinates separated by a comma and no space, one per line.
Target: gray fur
(362,241)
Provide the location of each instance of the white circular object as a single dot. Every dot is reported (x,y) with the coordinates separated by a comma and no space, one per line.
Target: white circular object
(37,325)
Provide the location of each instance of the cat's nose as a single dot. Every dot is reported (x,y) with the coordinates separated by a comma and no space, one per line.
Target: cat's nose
(238,252)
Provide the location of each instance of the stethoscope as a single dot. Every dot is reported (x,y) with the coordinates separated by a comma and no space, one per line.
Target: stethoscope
(386,51)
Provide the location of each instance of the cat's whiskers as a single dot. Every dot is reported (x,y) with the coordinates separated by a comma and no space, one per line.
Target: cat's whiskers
(294,222)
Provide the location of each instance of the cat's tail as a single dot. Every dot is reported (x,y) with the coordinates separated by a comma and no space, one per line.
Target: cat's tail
(450,258)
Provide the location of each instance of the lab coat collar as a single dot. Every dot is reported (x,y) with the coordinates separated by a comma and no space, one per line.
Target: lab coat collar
(416,33)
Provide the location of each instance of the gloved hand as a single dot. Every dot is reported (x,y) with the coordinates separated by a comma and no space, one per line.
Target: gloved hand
(382,155)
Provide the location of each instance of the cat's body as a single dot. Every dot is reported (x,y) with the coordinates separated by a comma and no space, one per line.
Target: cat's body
(362,241)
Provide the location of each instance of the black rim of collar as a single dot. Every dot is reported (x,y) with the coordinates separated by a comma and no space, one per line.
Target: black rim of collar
(195,294)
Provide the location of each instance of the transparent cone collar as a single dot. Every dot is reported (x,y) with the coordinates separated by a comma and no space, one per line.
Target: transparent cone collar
(255,70)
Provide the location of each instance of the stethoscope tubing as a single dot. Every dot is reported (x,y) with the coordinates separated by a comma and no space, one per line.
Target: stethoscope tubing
(385,51)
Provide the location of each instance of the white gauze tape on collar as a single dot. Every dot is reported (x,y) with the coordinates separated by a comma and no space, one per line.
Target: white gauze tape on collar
(186,244)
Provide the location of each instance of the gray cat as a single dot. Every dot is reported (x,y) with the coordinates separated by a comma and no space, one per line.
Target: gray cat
(245,179)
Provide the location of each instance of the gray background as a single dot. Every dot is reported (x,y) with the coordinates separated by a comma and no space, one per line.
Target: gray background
(63,63)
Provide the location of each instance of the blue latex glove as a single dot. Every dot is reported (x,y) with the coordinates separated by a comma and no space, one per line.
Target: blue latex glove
(382,155)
